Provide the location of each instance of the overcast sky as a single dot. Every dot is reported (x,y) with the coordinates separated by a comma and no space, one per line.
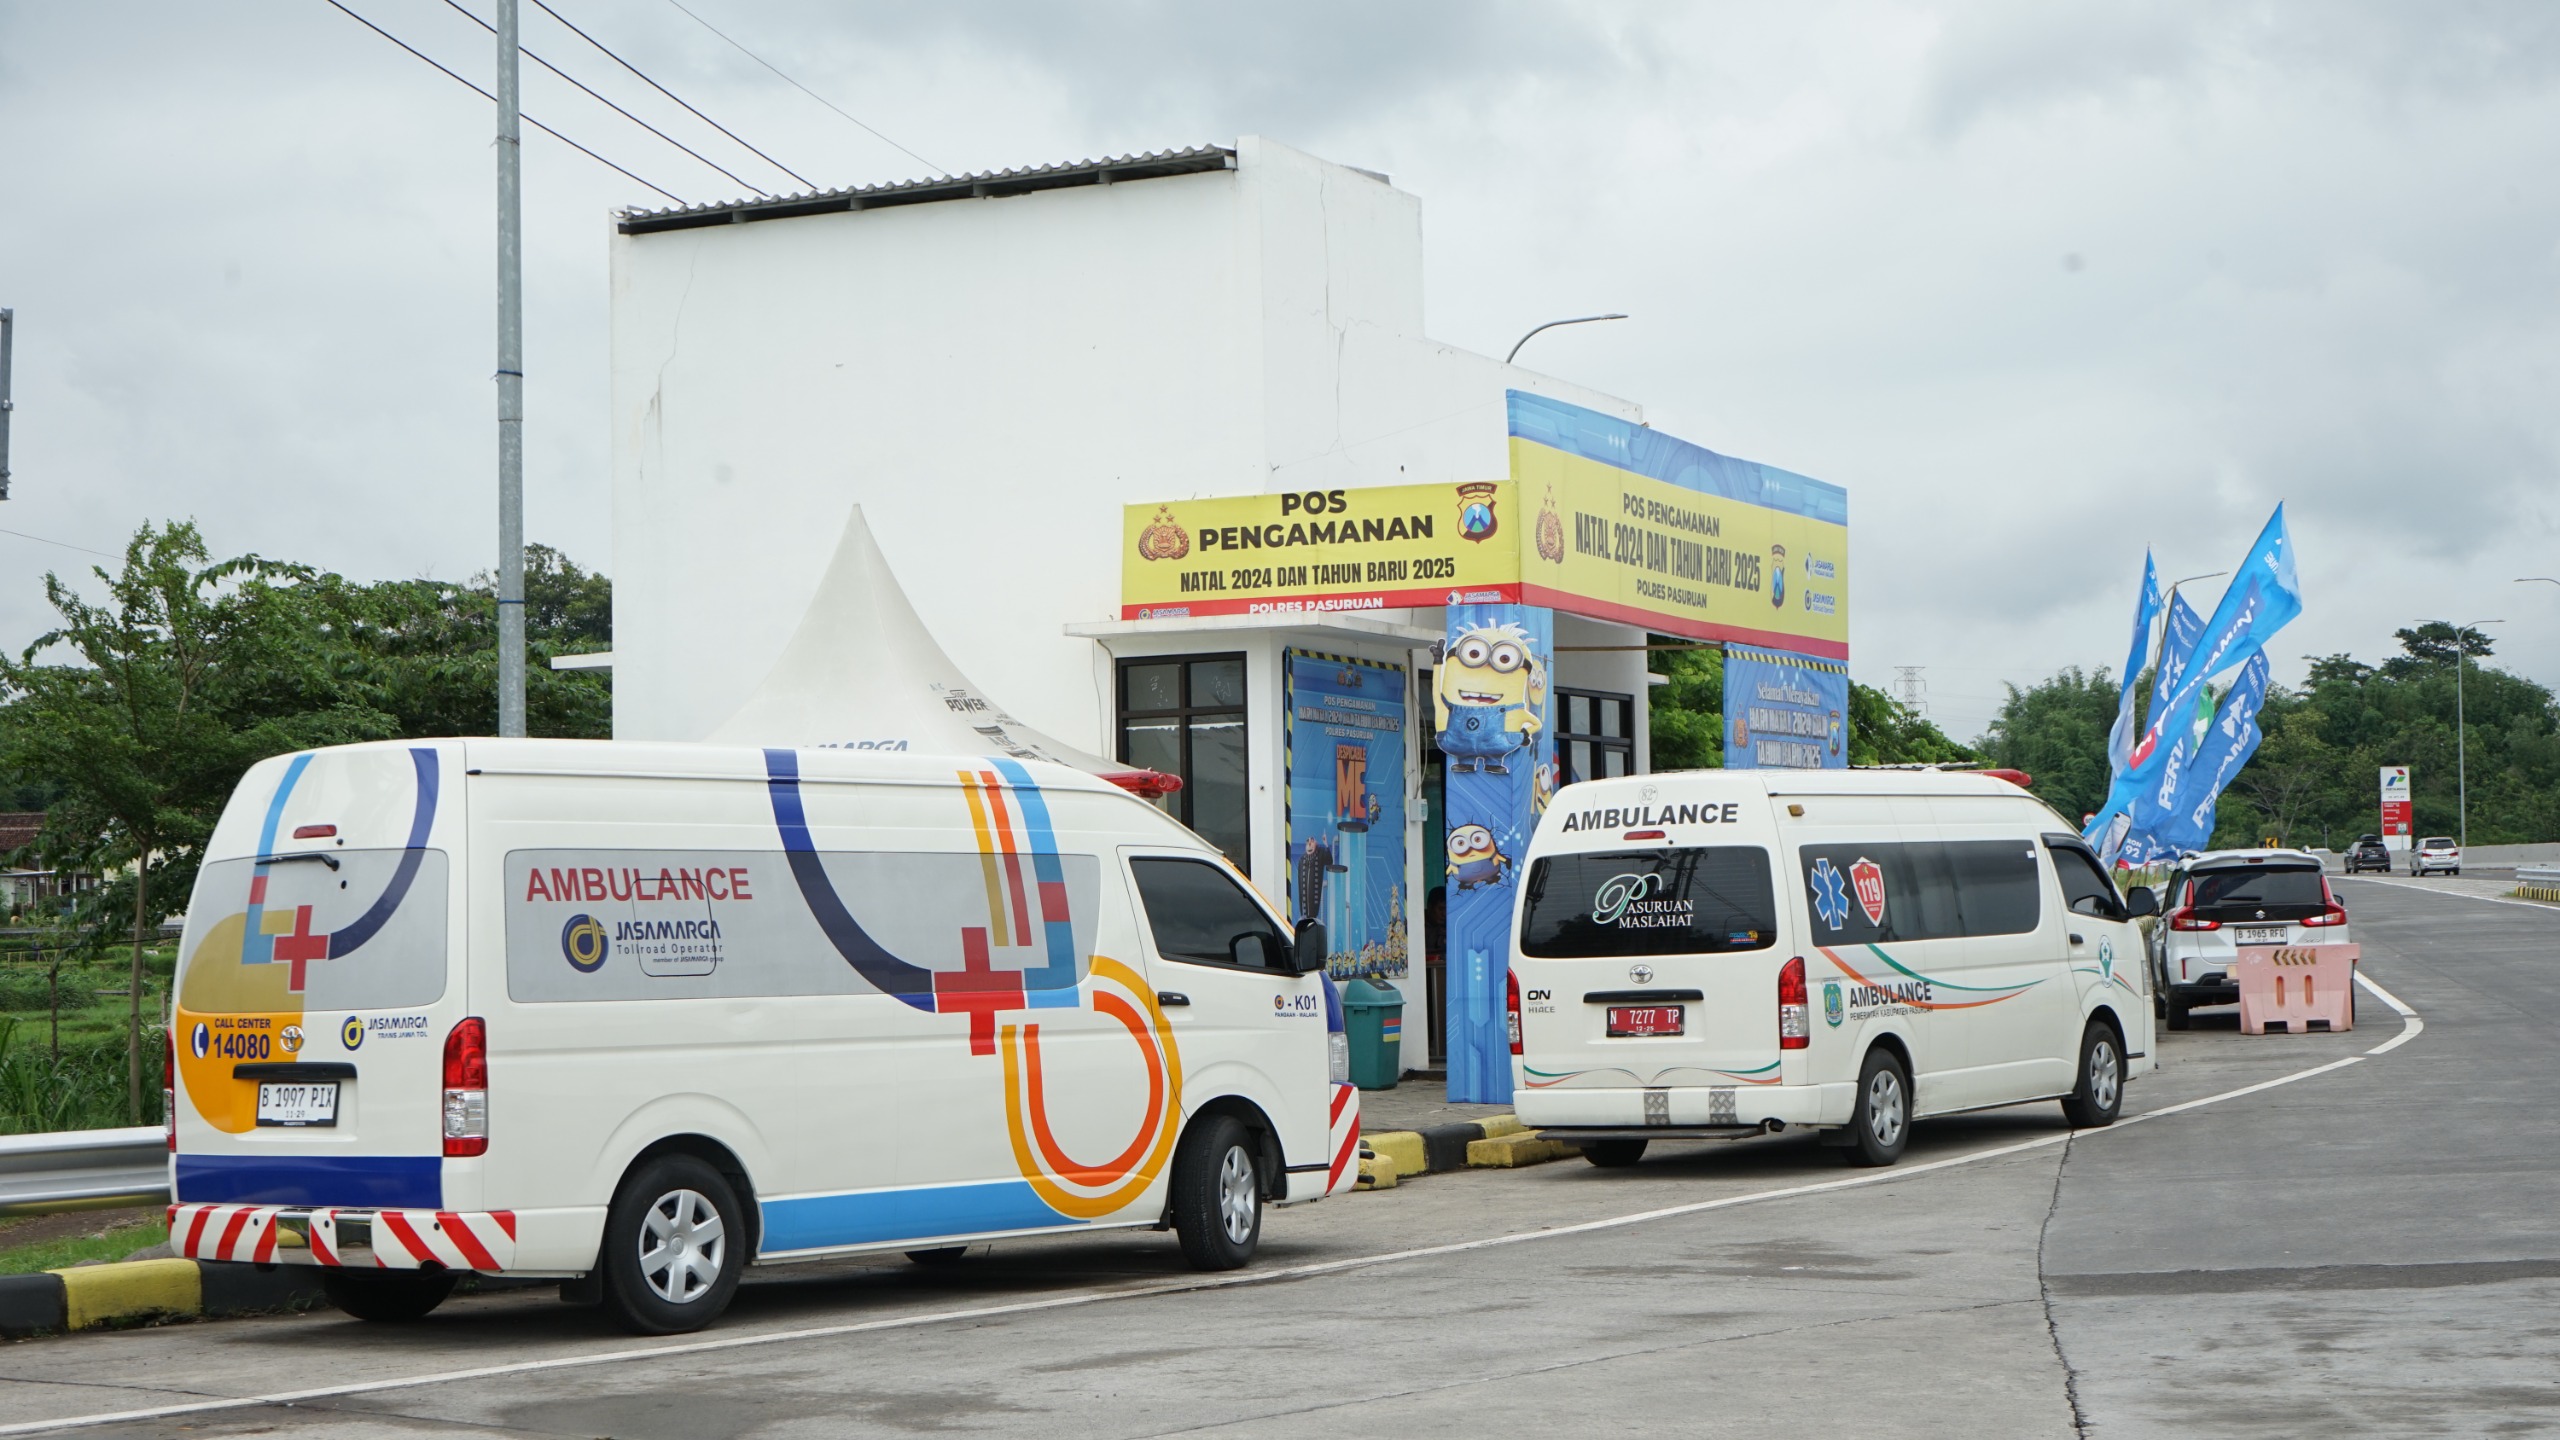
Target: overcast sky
(2039,283)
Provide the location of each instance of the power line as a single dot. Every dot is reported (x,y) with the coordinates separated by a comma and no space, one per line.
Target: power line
(65,544)
(492,99)
(805,90)
(616,109)
(670,94)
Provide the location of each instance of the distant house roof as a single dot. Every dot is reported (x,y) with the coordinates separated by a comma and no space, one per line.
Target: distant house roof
(1110,170)
(17,828)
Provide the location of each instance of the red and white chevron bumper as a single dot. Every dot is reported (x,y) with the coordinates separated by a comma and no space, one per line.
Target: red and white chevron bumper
(1342,1137)
(364,1239)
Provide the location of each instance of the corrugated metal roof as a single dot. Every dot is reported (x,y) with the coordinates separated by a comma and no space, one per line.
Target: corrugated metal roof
(1108,171)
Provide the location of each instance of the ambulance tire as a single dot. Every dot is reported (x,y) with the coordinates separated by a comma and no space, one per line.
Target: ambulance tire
(1613,1154)
(392,1297)
(1880,1120)
(1217,1194)
(2099,1093)
(683,1193)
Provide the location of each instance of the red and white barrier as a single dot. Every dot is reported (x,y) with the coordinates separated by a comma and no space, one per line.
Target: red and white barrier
(2293,989)
(365,1239)
(1343,1138)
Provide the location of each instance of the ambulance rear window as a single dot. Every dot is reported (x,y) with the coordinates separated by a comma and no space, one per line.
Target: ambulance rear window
(1688,900)
(358,930)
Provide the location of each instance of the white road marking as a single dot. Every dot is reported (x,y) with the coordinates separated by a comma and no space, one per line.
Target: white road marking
(2543,906)
(2411,1027)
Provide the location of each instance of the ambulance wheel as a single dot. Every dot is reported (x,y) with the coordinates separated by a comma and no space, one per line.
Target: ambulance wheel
(939,1255)
(2099,1092)
(1613,1154)
(1880,1122)
(1217,1194)
(388,1295)
(672,1247)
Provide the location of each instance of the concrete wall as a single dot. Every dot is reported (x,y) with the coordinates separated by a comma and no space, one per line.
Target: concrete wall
(992,380)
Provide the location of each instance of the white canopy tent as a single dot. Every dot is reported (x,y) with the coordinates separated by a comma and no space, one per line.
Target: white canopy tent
(862,672)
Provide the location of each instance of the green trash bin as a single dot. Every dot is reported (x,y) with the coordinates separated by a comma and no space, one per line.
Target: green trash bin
(1373,1015)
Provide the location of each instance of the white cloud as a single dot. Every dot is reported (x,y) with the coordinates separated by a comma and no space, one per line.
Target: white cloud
(2315,261)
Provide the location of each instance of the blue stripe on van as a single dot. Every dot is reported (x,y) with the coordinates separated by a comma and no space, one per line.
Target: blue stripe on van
(406,1182)
(813,1222)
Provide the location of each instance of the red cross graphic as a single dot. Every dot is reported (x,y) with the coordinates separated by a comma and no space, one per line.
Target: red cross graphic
(300,946)
(979,991)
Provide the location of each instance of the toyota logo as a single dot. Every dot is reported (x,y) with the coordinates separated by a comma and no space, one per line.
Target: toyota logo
(1641,974)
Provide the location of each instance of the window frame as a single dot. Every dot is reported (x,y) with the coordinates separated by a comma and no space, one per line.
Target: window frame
(1600,740)
(1281,933)
(2057,847)
(1184,716)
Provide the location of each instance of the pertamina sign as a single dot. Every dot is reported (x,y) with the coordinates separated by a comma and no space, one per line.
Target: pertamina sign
(1380,547)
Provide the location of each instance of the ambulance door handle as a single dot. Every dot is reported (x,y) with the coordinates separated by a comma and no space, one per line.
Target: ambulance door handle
(1172,997)
(2076,940)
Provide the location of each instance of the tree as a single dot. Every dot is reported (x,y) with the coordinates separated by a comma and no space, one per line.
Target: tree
(2056,731)
(2434,643)
(171,691)
(2286,781)
(1688,714)
(1884,731)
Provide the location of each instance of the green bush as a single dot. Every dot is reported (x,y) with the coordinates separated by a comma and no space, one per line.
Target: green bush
(84,1090)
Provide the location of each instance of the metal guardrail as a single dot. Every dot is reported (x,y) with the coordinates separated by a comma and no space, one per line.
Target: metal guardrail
(2538,882)
(76,1168)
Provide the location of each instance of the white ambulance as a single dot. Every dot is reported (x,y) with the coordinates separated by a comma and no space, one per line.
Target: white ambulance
(1715,954)
(637,1016)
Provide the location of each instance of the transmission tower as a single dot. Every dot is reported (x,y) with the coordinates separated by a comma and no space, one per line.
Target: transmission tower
(1911,689)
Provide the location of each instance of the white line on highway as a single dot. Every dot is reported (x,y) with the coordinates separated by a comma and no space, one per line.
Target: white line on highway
(2457,894)
(2410,1029)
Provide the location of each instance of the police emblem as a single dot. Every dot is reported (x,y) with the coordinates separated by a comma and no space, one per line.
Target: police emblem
(1476,519)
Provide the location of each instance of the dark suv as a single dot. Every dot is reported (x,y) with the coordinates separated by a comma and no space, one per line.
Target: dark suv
(2368,853)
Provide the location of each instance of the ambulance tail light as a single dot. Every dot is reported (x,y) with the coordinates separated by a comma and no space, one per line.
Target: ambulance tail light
(466,1088)
(169,1092)
(1511,1006)
(1794,1031)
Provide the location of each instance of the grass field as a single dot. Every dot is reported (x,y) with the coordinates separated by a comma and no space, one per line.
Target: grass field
(85,1088)
(30,1246)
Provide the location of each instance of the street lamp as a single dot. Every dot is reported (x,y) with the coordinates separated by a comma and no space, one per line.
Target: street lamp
(2461,751)
(2521,579)
(1550,325)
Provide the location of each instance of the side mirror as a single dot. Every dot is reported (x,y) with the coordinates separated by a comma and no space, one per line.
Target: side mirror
(2139,901)
(1311,948)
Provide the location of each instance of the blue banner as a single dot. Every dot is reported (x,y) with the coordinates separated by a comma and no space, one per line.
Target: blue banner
(2228,743)
(1784,711)
(1346,759)
(1490,707)
(2146,608)
(2177,647)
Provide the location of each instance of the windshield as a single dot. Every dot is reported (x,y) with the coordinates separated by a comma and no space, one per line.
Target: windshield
(296,932)
(1693,900)
(2437,842)
(2289,892)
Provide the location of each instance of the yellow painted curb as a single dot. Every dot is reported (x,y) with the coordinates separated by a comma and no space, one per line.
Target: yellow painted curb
(1377,1173)
(95,1293)
(1504,1152)
(1497,1126)
(1401,1149)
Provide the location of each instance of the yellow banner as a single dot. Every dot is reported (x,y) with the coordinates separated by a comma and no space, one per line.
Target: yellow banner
(1377,547)
(1615,545)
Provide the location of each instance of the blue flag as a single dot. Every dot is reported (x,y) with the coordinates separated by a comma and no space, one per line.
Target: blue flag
(2228,743)
(2146,608)
(2177,647)
(2262,599)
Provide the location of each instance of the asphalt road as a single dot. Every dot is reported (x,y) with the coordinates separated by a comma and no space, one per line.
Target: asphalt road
(2370,1247)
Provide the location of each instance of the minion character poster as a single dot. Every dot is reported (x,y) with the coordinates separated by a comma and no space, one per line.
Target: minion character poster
(1347,739)
(1491,715)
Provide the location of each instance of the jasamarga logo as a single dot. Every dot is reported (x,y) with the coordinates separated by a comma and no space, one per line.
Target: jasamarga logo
(1627,901)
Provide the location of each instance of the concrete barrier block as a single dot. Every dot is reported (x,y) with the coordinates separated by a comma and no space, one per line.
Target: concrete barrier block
(30,1304)
(1377,1173)
(1400,1150)
(1520,1147)
(2296,989)
(94,1294)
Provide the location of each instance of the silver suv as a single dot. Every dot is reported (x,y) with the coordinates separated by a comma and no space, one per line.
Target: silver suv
(2215,903)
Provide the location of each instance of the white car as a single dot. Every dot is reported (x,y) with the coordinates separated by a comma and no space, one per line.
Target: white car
(2219,901)
(2437,853)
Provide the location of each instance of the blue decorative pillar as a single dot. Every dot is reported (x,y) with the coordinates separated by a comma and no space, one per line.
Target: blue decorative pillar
(1491,708)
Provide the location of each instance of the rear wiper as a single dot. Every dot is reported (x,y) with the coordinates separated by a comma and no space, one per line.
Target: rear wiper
(329,860)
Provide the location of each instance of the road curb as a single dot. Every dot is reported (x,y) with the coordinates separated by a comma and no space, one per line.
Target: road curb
(1494,1142)
(84,1297)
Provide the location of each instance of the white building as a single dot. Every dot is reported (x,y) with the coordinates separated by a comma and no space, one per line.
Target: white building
(992,368)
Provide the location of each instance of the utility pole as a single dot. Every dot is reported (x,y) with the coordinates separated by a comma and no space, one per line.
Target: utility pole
(510,383)
(8,329)
(2461,737)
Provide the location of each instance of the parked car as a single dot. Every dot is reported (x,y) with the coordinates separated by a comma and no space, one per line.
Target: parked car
(634,1017)
(2437,853)
(2368,853)
(2221,900)
(1722,953)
